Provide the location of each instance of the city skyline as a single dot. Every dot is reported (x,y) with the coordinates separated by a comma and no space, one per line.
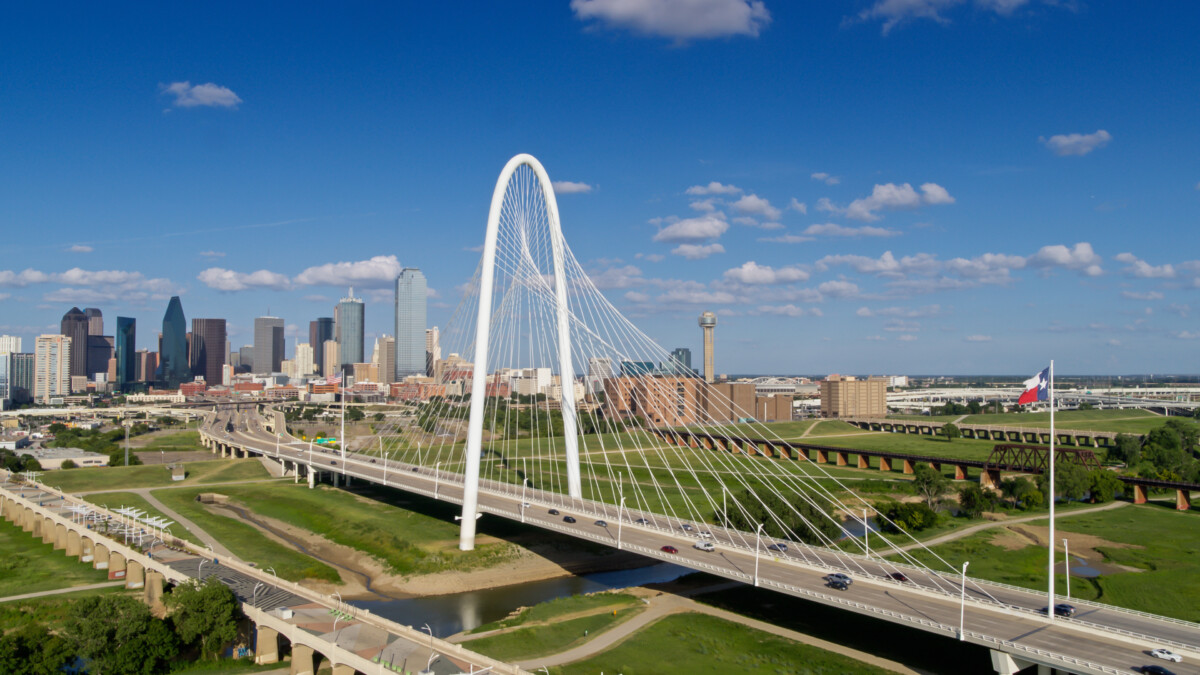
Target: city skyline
(959,215)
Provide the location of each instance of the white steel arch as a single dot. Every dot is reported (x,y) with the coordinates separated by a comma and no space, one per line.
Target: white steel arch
(479,375)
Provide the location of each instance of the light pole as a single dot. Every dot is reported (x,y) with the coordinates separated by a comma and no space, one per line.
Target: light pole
(620,521)
(200,569)
(757,546)
(962,604)
(384,458)
(431,653)
(435,480)
(1067,566)
(339,600)
(866,535)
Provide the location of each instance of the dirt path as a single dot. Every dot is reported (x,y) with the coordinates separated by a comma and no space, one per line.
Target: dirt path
(666,604)
(966,531)
(188,525)
(60,591)
(182,486)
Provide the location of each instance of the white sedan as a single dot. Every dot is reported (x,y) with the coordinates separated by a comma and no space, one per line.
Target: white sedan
(1166,655)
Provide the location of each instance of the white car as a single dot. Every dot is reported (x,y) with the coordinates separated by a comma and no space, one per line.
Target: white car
(704,546)
(705,534)
(1166,655)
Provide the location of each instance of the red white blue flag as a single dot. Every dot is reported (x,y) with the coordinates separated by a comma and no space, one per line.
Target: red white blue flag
(1037,388)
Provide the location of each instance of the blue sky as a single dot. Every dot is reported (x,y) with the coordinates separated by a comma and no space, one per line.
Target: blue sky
(866,186)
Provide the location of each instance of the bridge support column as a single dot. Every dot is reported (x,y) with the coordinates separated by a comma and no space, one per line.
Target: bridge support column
(989,479)
(822,457)
(154,589)
(312,478)
(116,566)
(135,575)
(47,531)
(863,462)
(1007,664)
(1139,494)
(99,557)
(885,463)
(266,645)
(960,472)
(908,466)
(74,549)
(801,453)
(302,660)
(1183,500)
(343,669)
(843,458)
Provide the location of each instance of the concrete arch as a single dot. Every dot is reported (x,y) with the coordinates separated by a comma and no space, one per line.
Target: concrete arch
(135,575)
(487,275)
(87,549)
(305,659)
(60,536)
(32,523)
(100,557)
(116,565)
(47,529)
(74,548)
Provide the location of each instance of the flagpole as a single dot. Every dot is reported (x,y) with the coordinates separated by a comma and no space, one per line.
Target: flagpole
(1050,593)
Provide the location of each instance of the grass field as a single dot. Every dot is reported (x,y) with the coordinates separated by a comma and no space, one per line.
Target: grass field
(1130,421)
(1165,546)
(701,644)
(571,604)
(169,441)
(115,500)
(407,541)
(155,475)
(29,566)
(551,638)
(245,541)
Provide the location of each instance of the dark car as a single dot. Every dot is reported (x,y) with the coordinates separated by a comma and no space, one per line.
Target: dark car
(332,461)
(415,468)
(372,461)
(780,548)
(601,523)
(642,521)
(1061,609)
(669,549)
(553,512)
(898,576)
(839,585)
(568,519)
(1157,670)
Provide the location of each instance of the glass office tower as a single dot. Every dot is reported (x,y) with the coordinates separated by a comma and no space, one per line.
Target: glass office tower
(173,357)
(318,332)
(126,353)
(411,300)
(350,331)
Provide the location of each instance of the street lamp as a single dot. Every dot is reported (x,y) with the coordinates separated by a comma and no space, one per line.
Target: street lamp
(435,479)
(1067,566)
(757,546)
(429,630)
(620,521)
(962,606)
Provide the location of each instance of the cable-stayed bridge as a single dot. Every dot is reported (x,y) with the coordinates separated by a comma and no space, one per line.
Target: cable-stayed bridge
(551,407)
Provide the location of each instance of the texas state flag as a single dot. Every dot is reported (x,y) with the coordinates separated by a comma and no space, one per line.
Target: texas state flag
(1037,388)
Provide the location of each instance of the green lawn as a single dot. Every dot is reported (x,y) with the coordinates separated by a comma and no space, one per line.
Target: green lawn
(245,541)
(115,500)
(699,644)
(154,475)
(552,638)
(572,604)
(407,541)
(1168,552)
(29,566)
(174,441)
(912,444)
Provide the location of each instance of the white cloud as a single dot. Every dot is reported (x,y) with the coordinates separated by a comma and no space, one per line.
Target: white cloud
(1144,270)
(316,298)
(566,187)
(649,257)
(978,338)
(209,95)
(1113,342)
(753,273)
(906,312)
(889,196)
(935,194)
(380,270)
(789,310)
(771,226)
(885,265)
(746,220)
(229,280)
(704,205)
(1147,296)
(797,205)
(838,289)
(80,248)
(906,338)
(1081,258)
(617,277)
(826,178)
(713,188)
(901,326)
(1186,335)
(832,230)
(875,338)
(758,206)
(678,19)
(708,226)
(1065,145)
(697,251)
(991,268)
(637,296)
(787,239)
(212,254)
(895,12)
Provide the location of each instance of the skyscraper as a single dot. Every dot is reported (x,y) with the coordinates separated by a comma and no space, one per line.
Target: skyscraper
(173,354)
(208,349)
(680,362)
(330,367)
(268,344)
(52,366)
(350,331)
(411,300)
(10,344)
(5,380)
(22,376)
(385,358)
(75,326)
(433,349)
(246,358)
(303,360)
(708,323)
(95,321)
(99,351)
(318,332)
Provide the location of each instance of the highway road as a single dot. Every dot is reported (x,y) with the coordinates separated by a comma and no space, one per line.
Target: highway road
(1097,639)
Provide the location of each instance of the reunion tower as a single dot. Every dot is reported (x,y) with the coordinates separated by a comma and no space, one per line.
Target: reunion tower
(708,322)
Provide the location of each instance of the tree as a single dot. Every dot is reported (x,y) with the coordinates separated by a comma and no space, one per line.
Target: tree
(810,522)
(1070,480)
(1104,485)
(205,614)
(974,408)
(57,428)
(1126,450)
(974,500)
(355,414)
(930,484)
(378,417)
(68,464)
(908,517)
(118,635)
(32,650)
(951,431)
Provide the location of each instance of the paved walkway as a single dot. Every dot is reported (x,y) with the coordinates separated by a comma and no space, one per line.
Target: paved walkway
(60,591)
(958,534)
(667,604)
(187,524)
(182,486)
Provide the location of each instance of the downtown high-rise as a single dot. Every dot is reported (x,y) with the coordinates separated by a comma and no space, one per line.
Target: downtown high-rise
(350,331)
(208,349)
(268,344)
(173,364)
(52,366)
(75,326)
(411,300)
(126,353)
(319,332)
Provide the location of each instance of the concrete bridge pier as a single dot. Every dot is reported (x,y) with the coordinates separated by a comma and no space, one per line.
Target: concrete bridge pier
(822,457)
(135,575)
(266,645)
(864,462)
(302,660)
(885,463)
(990,478)
(100,557)
(1007,664)
(1140,494)
(312,478)
(154,589)
(843,458)
(1183,500)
